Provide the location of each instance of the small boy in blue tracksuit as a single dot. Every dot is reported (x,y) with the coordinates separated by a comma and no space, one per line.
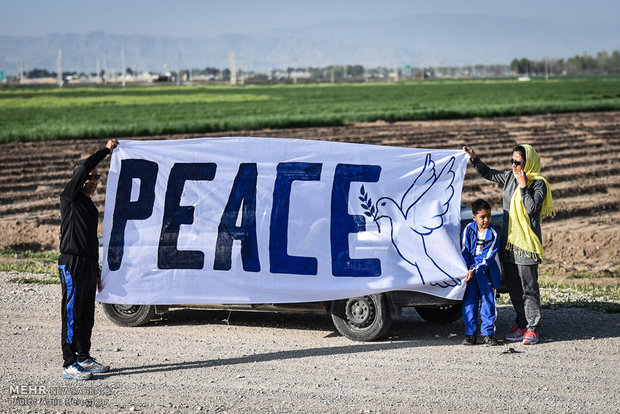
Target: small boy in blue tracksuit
(480,243)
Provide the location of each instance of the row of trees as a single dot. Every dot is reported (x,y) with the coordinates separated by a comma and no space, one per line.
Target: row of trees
(309,72)
(37,73)
(602,63)
(354,73)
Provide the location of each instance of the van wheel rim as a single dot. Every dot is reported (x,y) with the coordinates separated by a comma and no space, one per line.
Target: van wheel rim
(360,312)
(126,309)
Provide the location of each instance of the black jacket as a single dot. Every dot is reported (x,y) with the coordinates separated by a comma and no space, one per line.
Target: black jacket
(78,215)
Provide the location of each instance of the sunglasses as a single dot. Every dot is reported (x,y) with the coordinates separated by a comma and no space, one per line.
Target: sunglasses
(93,177)
(517,163)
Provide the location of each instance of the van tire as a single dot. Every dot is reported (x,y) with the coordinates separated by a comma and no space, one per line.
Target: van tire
(129,315)
(363,318)
(440,314)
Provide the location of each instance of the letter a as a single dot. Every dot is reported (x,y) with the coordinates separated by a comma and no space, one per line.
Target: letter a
(243,191)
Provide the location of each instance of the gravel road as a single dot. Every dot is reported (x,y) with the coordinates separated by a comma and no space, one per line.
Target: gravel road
(213,361)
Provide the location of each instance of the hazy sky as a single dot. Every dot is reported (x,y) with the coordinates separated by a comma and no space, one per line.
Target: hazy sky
(194,18)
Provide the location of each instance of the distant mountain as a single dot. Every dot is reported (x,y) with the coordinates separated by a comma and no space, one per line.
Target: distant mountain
(416,40)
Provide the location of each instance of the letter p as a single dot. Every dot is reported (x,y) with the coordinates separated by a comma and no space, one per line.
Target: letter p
(125,209)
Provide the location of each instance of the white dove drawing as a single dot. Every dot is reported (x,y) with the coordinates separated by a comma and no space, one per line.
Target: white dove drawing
(419,213)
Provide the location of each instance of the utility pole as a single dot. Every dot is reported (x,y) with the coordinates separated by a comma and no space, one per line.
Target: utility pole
(233,68)
(178,69)
(396,71)
(105,68)
(59,69)
(123,72)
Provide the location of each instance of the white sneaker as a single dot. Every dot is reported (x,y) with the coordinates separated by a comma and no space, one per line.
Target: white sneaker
(90,365)
(76,372)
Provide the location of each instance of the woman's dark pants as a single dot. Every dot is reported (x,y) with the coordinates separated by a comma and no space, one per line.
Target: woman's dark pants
(524,293)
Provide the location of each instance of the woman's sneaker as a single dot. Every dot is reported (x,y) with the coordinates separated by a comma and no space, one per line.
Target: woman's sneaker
(76,372)
(530,337)
(515,335)
(91,365)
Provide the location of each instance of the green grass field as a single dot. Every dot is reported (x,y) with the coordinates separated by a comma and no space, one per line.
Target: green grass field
(100,112)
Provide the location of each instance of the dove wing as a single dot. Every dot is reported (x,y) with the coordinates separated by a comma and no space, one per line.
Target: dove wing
(420,185)
(427,215)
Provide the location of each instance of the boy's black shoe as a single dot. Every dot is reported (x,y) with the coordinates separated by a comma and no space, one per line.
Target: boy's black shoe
(490,340)
(469,340)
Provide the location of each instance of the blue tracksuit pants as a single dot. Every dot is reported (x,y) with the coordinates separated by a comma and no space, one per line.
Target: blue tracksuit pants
(78,277)
(479,289)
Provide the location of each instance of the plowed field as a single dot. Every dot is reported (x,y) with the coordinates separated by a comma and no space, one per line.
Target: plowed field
(580,154)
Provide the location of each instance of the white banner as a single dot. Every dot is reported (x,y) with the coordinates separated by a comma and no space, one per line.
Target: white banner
(269,220)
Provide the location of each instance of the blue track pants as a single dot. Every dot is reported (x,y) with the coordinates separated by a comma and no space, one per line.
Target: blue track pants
(78,277)
(479,294)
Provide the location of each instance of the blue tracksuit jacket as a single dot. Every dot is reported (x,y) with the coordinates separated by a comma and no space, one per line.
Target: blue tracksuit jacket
(487,275)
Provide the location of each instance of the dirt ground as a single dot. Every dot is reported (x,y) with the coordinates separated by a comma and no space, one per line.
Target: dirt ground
(580,154)
(216,362)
